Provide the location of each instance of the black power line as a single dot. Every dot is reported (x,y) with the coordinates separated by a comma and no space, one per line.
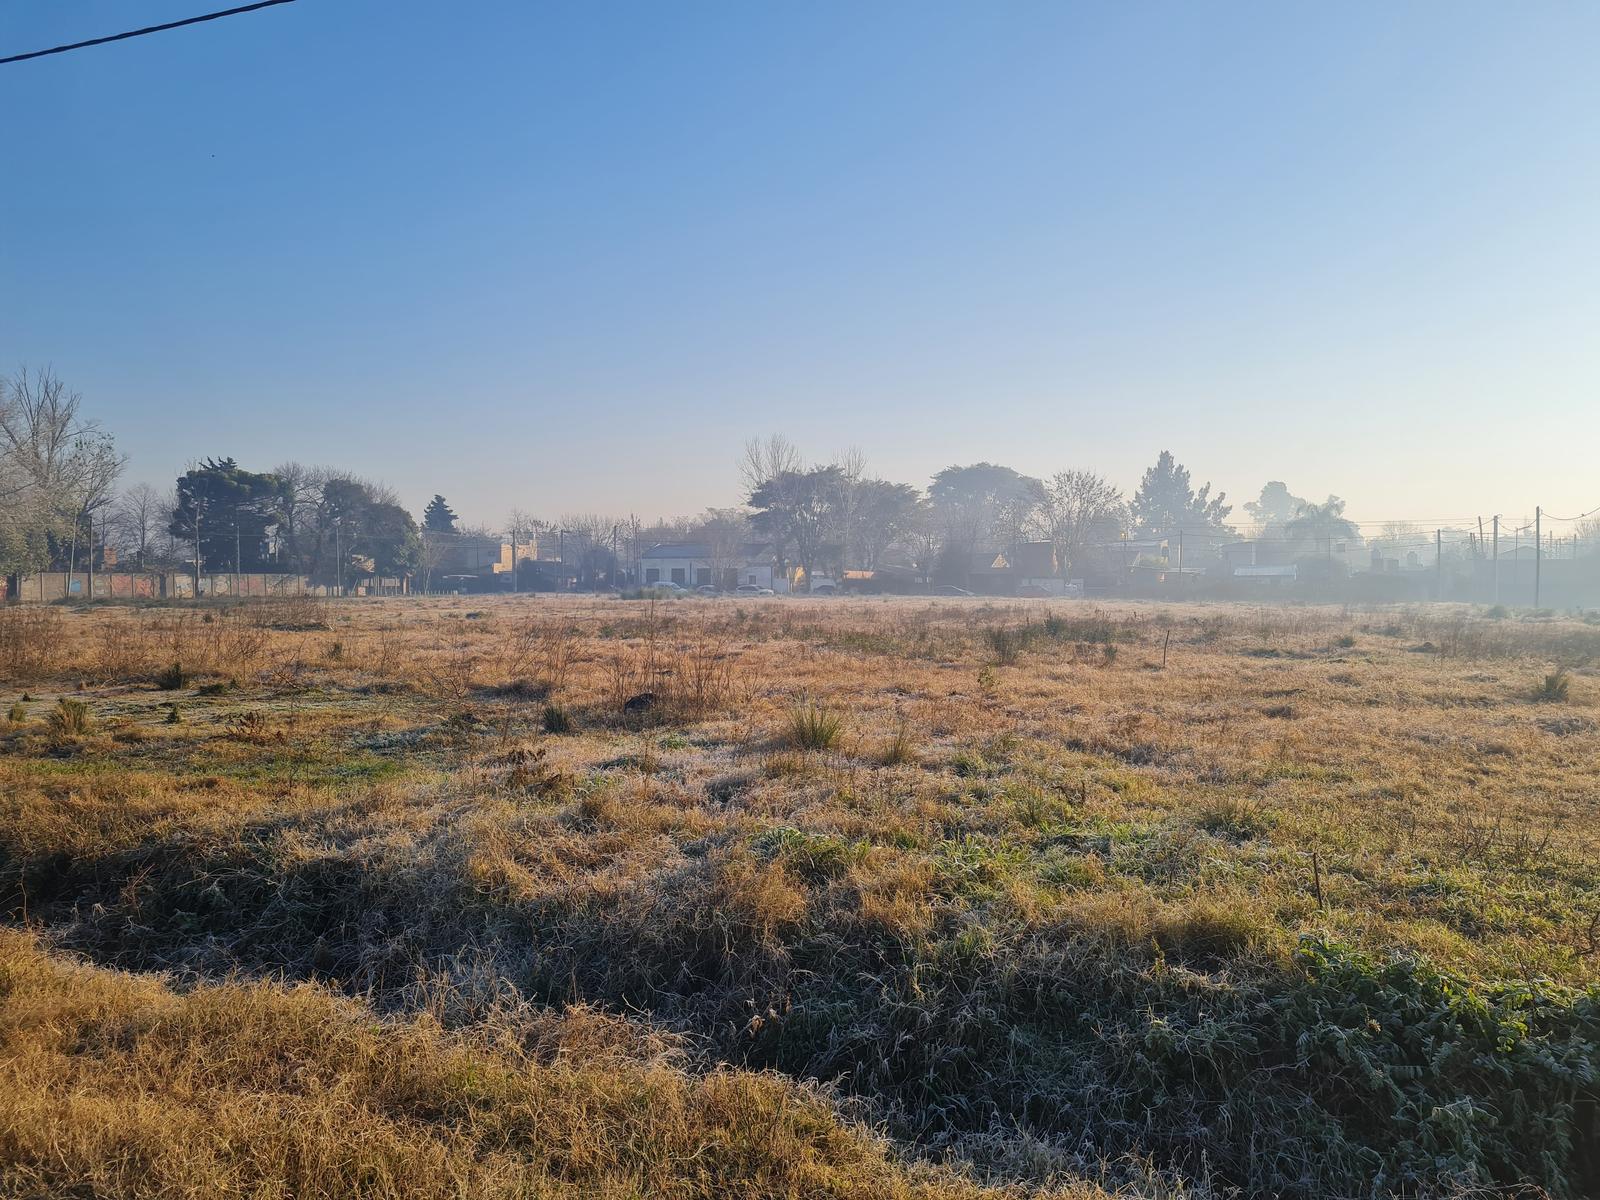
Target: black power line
(133,33)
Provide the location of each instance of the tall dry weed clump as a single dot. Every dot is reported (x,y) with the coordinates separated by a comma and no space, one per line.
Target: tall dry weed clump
(452,670)
(704,677)
(222,641)
(126,647)
(1472,638)
(292,614)
(30,643)
(541,651)
(686,681)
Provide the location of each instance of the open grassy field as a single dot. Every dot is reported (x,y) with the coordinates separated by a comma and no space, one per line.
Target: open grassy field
(527,897)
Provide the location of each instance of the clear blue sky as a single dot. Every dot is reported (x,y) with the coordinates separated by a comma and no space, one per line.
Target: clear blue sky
(569,257)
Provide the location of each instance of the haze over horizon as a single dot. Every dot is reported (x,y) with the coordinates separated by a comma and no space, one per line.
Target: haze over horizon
(570,259)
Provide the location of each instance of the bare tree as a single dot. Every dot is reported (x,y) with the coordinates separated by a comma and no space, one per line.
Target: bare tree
(587,543)
(924,540)
(56,467)
(848,500)
(767,460)
(300,532)
(1588,532)
(1396,537)
(1076,508)
(141,514)
(724,532)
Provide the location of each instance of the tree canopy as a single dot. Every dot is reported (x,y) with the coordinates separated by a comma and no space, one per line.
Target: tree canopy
(1166,502)
(1322,523)
(227,511)
(795,510)
(1275,507)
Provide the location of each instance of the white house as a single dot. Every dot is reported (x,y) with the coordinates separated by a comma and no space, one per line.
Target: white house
(701,564)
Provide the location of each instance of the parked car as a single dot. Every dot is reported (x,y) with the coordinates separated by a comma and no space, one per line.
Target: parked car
(664,588)
(752,589)
(1033,591)
(825,589)
(706,589)
(949,589)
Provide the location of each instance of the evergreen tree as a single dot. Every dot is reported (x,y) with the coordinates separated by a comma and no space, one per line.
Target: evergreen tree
(1165,501)
(228,511)
(437,517)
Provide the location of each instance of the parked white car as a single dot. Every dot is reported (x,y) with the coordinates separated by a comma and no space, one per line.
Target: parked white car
(753,589)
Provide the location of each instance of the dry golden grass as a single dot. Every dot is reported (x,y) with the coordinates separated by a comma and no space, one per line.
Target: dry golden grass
(118,1086)
(971,903)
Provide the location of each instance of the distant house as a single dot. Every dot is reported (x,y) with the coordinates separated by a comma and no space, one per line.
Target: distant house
(989,574)
(1003,572)
(702,564)
(1034,565)
(463,555)
(1274,574)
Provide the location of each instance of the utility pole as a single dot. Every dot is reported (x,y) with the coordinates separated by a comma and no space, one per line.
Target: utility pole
(197,550)
(1438,565)
(1497,558)
(614,558)
(236,545)
(1180,562)
(72,555)
(1538,551)
(338,562)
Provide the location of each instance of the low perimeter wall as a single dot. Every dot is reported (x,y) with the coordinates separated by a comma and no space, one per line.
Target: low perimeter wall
(50,586)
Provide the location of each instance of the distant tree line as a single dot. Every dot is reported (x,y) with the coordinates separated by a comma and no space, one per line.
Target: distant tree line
(60,509)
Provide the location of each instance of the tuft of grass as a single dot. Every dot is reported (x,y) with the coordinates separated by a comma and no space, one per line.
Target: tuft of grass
(812,726)
(18,714)
(172,679)
(70,718)
(557,719)
(1005,644)
(901,748)
(1235,818)
(1555,686)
